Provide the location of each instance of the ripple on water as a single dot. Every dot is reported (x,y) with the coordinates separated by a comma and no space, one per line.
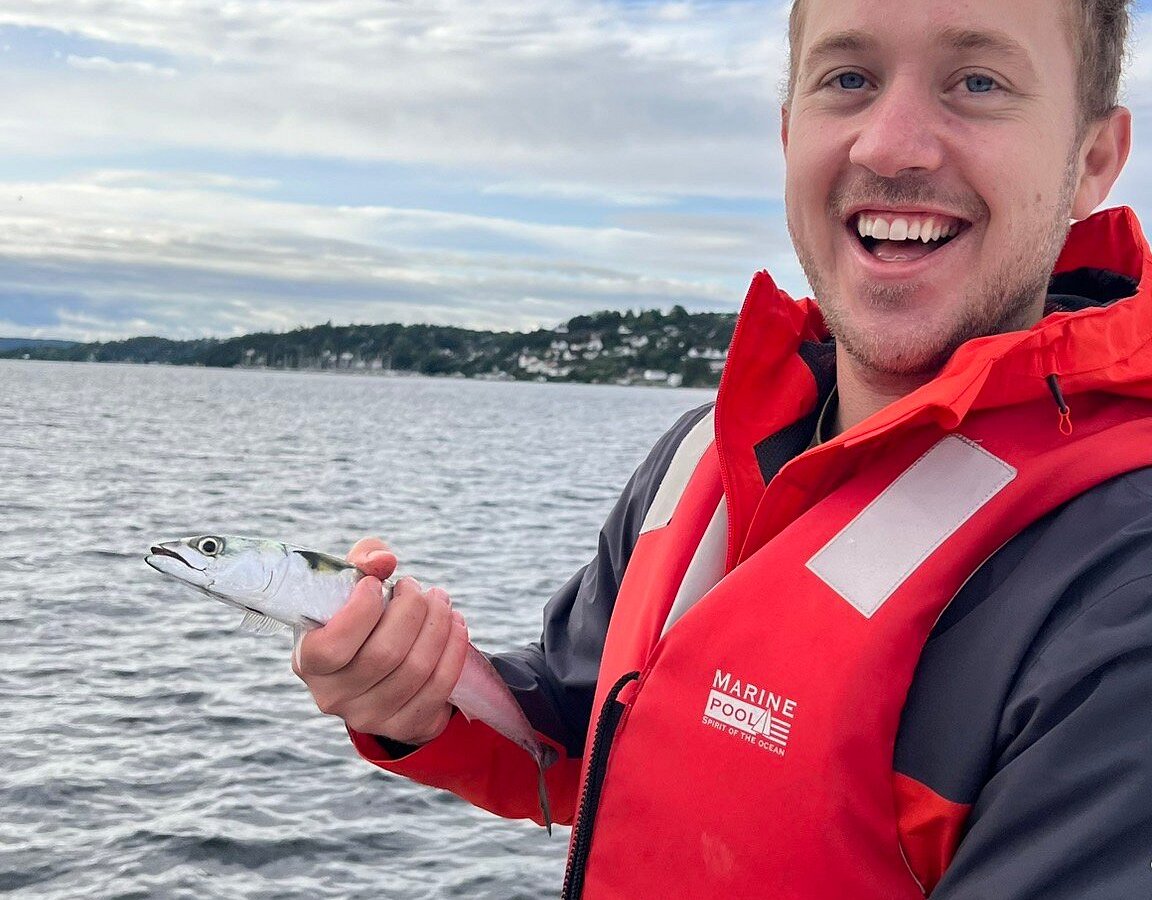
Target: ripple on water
(152,750)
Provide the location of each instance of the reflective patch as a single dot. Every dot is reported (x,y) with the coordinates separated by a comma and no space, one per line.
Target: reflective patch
(688,456)
(706,568)
(876,552)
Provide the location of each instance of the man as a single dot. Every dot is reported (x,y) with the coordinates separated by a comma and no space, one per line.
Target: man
(878,625)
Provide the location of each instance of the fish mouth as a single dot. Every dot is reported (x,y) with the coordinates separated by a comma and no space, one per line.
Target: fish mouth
(160,550)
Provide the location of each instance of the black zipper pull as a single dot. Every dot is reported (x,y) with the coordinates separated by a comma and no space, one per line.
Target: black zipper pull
(610,714)
(1065,413)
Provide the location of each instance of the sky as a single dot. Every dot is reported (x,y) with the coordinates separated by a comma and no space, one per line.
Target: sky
(214,167)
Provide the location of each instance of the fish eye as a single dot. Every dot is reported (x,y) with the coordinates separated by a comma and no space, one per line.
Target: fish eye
(209,546)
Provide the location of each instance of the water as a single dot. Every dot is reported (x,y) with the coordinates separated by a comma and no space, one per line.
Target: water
(149,747)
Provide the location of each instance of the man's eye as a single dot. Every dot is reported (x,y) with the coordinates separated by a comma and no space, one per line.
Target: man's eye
(851,81)
(980,84)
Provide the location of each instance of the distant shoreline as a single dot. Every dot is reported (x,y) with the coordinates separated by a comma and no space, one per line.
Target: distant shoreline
(649,348)
(346,373)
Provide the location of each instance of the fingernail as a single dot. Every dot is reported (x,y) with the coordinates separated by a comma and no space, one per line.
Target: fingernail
(377,554)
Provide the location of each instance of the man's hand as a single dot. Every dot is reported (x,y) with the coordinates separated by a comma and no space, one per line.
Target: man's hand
(386,672)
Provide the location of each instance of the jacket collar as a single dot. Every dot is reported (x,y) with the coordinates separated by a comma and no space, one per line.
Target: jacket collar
(1107,348)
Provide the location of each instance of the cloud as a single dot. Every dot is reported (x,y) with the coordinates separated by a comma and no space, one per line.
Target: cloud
(103,64)
(606,107)
(161,180)
(638,98)
(193,168)
(185,259)
(575,192)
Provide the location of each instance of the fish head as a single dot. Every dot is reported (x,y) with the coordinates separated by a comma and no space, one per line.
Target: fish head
(239,571)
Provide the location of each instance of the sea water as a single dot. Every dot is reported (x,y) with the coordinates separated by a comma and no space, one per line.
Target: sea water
(148,747)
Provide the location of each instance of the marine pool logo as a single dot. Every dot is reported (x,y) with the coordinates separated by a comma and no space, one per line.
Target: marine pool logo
(749,712)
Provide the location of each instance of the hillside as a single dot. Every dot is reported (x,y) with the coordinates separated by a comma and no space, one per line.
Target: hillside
(650,347)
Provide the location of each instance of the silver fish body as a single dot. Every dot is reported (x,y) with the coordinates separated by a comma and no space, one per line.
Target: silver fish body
(278,585)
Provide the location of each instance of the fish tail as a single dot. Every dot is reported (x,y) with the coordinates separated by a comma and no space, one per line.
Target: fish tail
(545,806)
(545,756)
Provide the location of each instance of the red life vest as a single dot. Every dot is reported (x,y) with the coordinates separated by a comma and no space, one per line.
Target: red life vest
(765,637)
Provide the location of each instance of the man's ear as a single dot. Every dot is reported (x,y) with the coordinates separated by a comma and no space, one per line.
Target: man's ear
(1106,146)
(784,127)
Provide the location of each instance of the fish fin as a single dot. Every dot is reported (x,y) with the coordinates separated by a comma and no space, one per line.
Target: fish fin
(258,623)
(323,562)
(545,806)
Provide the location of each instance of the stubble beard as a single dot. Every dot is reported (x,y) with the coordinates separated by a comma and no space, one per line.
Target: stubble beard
(1008,299)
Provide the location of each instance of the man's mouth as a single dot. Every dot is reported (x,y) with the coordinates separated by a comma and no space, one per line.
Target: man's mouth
(904,237)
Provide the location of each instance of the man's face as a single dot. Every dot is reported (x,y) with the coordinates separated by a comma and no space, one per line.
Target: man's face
(930,119)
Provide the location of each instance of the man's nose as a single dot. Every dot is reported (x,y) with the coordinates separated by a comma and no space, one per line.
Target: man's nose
(899,133)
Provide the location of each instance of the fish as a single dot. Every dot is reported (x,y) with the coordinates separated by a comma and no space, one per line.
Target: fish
(280,586)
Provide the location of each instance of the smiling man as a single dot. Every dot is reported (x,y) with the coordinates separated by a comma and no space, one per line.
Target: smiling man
(877,624)
(935,156)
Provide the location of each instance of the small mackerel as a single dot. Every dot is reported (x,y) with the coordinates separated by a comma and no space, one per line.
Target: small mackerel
(278,586)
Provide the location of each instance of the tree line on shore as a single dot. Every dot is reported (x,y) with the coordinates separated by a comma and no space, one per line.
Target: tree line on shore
(652,346)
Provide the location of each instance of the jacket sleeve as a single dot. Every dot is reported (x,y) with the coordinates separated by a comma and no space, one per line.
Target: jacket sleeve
(1067,810)
(553,679)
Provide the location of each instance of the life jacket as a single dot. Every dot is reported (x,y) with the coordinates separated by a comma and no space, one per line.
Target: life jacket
(765,635)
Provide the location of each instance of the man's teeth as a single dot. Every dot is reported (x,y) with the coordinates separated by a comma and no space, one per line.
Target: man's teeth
(901,228)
